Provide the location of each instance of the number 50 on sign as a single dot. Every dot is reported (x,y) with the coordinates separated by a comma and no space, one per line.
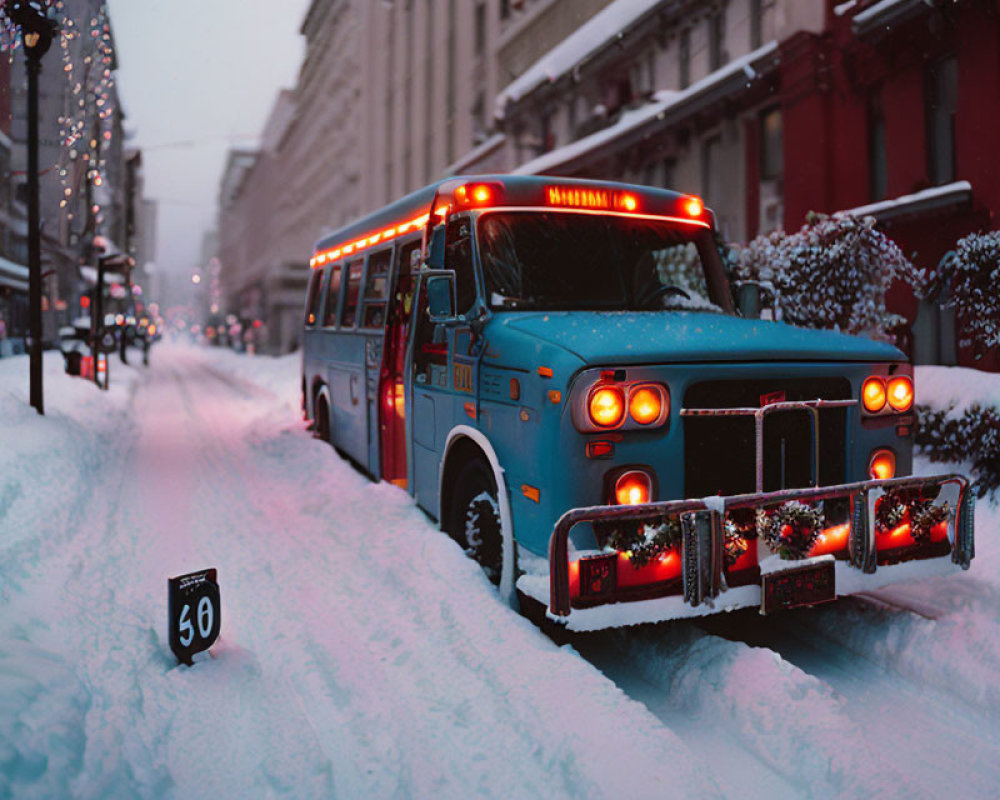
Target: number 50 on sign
(194,613)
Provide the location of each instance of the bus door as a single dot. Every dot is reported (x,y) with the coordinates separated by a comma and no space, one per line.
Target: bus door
(443,368)
(326,339)
(346,371)
(391,405)
(372,324)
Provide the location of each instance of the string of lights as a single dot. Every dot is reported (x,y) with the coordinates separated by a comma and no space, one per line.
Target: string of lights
(87,123)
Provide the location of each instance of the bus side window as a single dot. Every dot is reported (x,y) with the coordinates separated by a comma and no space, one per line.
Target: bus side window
(376,286)
(332,296)
(312,304)
(354,270)
(458,256)
(430,350)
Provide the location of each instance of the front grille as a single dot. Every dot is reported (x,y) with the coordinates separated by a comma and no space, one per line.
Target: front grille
(720,452)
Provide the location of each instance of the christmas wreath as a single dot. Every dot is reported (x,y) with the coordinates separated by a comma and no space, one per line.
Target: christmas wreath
(792,530)
(645,542)
(898,505)
(740,530)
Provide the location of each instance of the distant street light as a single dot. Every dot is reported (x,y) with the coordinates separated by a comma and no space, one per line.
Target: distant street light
(37,32)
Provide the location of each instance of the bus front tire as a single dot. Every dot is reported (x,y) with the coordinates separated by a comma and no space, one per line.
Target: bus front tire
(474,518)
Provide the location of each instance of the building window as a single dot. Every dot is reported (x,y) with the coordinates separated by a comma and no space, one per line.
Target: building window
(669,180)
(771,165)
(429,88)
(450,87)
(409,133)
(771,171)
(711,171)
(684,53)
(479,118)
(756,24)
(878,178)
(480,30)
(717,55)
(941,101)
(504,9)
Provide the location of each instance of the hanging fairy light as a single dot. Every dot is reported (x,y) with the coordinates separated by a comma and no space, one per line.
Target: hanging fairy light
(88,123)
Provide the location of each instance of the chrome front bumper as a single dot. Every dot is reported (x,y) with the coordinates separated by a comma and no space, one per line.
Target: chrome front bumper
(702,545)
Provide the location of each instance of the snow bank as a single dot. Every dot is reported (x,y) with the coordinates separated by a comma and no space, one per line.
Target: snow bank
(361,653)
(944,387)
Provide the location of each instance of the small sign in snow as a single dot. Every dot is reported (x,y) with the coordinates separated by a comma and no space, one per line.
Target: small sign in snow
(194,613)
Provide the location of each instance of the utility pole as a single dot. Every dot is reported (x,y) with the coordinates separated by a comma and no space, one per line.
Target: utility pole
(37,32)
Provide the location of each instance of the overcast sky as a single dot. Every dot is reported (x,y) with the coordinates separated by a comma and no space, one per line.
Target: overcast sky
(197,77)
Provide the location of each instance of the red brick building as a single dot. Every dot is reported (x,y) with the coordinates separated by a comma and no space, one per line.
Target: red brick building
(895,107)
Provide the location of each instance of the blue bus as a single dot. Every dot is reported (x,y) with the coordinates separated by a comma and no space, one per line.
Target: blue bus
(560,373)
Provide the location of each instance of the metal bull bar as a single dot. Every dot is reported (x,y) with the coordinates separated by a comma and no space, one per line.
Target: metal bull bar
(758,414)
(702,522)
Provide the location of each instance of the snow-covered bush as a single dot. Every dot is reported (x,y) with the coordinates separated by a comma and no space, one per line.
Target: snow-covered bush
(972,274)
(975,436)
(833,273)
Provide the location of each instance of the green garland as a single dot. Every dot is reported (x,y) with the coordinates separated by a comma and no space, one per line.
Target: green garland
(792,530)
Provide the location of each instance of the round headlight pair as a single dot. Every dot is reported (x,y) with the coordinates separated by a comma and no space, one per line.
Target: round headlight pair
(897,392)
(646,403)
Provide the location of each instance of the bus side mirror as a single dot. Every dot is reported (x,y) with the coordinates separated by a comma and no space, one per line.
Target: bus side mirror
(748,299)
(441,297)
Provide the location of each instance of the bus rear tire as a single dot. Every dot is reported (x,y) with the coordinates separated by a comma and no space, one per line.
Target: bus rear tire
(321,425)
(474,518)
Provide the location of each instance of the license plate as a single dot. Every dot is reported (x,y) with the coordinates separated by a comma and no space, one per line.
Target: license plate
(799,586)
(597,576)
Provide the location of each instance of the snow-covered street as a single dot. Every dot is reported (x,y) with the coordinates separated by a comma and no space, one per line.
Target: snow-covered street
(362,654)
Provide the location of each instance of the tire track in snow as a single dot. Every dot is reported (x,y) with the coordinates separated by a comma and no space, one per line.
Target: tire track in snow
(722,693)
(439,733)
(930,734)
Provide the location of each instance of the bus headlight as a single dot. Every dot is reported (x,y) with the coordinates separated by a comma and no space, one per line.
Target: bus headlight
(648,403)
(873,393)
(606,406)
(900,393)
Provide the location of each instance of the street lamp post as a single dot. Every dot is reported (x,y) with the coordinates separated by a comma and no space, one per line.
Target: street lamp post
(37,32)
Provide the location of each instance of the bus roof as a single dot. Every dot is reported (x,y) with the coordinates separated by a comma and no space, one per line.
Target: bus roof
(411,213)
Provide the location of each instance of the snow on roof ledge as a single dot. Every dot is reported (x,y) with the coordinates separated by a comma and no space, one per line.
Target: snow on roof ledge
(882,15)
(476,153)
(935,197)
(576,48)
(669,101)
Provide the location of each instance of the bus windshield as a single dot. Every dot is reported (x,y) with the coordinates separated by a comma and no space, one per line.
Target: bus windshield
(566,261)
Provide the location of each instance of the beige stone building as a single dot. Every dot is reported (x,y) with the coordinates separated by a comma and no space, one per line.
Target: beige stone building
(390,96)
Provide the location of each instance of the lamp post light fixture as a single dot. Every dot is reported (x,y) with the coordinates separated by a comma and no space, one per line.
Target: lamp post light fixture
(37,32)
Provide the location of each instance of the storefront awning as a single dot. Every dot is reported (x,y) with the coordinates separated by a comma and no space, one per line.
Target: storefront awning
(13,275)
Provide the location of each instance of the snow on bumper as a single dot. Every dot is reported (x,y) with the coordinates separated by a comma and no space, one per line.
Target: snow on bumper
(703,586)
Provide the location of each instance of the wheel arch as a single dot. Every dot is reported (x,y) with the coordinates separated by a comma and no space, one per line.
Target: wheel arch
(463,444)
(322,392)
(318,387)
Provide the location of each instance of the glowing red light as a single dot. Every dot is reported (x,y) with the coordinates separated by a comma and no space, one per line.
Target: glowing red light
(693,206)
